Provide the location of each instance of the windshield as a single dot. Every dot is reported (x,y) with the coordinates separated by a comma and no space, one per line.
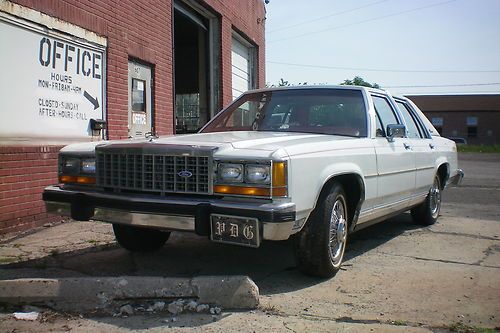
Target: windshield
(322,111)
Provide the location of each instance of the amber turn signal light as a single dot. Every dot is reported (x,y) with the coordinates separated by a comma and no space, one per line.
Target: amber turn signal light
(279,174)
(240,190)
(76,180)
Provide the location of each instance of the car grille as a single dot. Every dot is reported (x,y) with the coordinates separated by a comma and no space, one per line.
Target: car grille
(153,173)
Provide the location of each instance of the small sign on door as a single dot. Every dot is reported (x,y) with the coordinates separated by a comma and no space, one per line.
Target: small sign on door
(139,118)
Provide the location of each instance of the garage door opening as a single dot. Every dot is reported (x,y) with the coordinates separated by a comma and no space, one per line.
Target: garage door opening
(193,69)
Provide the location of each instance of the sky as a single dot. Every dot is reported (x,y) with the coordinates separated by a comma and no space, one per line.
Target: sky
(408,47)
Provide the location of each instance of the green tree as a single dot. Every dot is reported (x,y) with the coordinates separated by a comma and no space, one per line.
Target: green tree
(358,81)
(283,83)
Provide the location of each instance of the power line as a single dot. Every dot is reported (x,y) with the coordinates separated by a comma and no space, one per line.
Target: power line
(454,92)
(383,70)
(448,85)
(364,21)
(326,16)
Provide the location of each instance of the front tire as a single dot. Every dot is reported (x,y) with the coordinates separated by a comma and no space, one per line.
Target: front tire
(137,239)
(320,246)
(427,212)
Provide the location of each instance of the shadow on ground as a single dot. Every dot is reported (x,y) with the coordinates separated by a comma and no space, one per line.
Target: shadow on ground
(272,266)
(187,255)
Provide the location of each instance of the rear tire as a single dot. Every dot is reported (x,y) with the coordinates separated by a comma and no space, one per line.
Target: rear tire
(137,239)
(319,247)
(427,212)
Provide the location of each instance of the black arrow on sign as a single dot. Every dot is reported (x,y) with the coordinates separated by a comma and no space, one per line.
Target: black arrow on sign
(91,99)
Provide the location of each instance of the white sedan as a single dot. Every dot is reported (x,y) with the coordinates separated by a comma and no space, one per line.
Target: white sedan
(312,163)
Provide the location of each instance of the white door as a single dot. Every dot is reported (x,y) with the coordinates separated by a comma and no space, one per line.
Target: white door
(395,163)
(422,147)
(242,67)
(139,100)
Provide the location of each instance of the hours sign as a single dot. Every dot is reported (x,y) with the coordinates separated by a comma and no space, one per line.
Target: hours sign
(51,84)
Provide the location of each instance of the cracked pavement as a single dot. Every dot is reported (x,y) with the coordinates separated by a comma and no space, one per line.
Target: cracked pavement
(397,276)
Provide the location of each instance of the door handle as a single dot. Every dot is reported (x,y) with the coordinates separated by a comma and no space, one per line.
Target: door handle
(431,146)
(407,146)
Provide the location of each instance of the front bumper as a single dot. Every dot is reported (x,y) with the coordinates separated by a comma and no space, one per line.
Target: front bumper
(168,213)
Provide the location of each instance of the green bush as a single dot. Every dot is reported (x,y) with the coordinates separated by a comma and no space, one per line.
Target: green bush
(478,148)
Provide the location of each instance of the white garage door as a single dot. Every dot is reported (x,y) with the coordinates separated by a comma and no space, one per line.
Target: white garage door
(242,67)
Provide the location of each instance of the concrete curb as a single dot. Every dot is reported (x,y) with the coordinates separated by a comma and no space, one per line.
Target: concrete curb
(101,293)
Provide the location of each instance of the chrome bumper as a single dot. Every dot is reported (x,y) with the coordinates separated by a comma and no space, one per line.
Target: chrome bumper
(456,180)
(168,213)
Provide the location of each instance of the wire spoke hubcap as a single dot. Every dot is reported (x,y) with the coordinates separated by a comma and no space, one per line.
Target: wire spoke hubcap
(435,199)
(338,231)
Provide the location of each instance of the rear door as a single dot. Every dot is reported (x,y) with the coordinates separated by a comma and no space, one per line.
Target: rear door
(422,146)
(395,162)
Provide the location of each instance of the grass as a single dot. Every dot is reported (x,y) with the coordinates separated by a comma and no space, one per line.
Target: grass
(463,328)
(270,309)
(399,323)
(478,148)
(6,260)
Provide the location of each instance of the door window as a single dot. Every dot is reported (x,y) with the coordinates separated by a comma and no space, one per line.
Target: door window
(138,95)
(411,126)
(385,114)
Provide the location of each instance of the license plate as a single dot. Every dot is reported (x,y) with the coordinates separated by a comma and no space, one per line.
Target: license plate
(234,230)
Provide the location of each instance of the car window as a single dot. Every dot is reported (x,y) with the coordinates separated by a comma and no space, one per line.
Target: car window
(385,114)
(411,126)
(321,111)
(380,128)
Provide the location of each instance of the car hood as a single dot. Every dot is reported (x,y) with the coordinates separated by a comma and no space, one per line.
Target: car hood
(262,144)
(270,141)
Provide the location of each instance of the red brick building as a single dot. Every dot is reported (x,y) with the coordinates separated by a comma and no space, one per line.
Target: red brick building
(474,117)
(165,67)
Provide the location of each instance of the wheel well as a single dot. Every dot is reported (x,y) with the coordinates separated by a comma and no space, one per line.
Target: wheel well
(443,173)
(354,190)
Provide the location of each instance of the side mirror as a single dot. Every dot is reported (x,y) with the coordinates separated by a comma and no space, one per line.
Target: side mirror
(395,131)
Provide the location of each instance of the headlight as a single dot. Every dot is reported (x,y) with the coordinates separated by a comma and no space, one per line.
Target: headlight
(252,179)
(231,173)
(88,166)
(257,174)
(77,169)
(70,166)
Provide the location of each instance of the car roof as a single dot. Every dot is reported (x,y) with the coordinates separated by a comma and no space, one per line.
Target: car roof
(302,87)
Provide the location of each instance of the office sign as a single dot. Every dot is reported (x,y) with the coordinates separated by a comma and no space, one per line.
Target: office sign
(51,85)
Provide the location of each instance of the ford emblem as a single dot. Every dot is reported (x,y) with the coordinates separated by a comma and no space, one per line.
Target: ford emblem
(185,174)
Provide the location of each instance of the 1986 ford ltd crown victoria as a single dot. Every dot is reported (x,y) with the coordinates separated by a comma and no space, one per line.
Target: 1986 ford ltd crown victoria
(311,163)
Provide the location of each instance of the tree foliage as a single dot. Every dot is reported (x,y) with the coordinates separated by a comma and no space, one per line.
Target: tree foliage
(283,83)
(358,81)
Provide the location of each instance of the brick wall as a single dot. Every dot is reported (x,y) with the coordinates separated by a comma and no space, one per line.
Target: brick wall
(125,25)
(139,30)
(24,172)
(142,30)
(455,125)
